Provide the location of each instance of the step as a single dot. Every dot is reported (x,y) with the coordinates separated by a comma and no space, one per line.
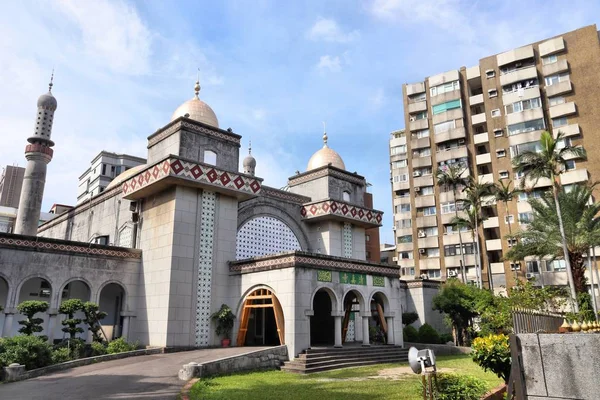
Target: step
(350,354)
(334,366)
(381,359)
(361,350)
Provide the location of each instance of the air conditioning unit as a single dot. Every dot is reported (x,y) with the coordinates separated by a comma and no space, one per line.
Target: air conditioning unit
(395,259)
(422,234)
(452,273)
(424,276)
(461,141)
(515,266)
(417,189)
(421,251)
(416,173)
(529,275)
(412,119)
(393,228)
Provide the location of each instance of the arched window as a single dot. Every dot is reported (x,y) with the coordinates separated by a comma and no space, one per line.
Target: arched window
(346,195)
(264,235)
(210,157)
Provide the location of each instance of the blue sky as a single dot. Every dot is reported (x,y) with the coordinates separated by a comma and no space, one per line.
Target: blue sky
(271,70)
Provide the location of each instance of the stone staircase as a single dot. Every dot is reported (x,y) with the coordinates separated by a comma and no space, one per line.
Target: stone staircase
(326,359)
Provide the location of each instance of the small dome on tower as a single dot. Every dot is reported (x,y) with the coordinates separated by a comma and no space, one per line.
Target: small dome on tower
(249,161)
(47,100)
(197,110)
(325,156)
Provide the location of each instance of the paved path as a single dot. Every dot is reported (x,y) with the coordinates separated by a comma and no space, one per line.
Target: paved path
(144,377)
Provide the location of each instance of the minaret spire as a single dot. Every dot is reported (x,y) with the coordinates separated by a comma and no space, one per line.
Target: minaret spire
(51,81)
(197,86)
(324,134)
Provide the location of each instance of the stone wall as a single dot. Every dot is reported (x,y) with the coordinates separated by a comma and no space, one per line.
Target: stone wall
(255,360)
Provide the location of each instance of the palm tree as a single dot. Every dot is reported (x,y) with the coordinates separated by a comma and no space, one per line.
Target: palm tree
(589,226)
(452,176)
(549,162)
(468,222)
(503,193)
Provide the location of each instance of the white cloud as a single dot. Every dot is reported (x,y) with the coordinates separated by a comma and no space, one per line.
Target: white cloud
(330,63)
(328,30)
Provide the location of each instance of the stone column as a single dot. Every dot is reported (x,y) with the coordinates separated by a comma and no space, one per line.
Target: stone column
(365,323)
(358,330)
(338,331)
(52,317)
(125,332)
(8,322)
(390,329)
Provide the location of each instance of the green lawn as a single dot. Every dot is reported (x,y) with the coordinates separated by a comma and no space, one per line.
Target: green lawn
(348,384)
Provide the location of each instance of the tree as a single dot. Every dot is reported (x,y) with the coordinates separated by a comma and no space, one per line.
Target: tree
(452,176)
(69,308)
(544,235)
(29,308)
(549,162)
(504,193)
(457,300)
(92,318)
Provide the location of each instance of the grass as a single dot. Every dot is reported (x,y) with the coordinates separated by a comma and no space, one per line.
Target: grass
(347,384)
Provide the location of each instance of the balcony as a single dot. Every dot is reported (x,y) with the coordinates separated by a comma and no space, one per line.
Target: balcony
(568,130)
(415,88)
(406,262)
(493,244)
(522,53)
(449,76)
(418,124)
(454,239)
(478,119)
(551,46)
(424,201)
(458,152)
(449,196)
(525,137)
(420,143)
(401,200)
(421,162)
(561,110)
(473,72)
(398,141)
(577,175)
(531,92)
(542,182)
(486,178)
(525,115)
(404,247)
(477,99)
(444,97)
(559,88)
(481,138)
(455,113)
(554,68)
(452,134)
(400,186)
(497,268)
(423,181)
(404,231)
(417,107)
(447,218)
(518,75)
(483,158)
(429,263)
(454,261)
(428,242)
(426,221)
(491,222)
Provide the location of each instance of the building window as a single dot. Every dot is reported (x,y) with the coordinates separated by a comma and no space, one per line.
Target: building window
(509,219)
(210,157)
(432,252)
(397,179)
(416,97)
(492,93)
(515,266)
(422,152)
(449,105)
(444,88)
(512,242)
(521,148)
(434,273)
(525,218)
(556,266)
(503,174)
(498,133)
(444,126)
(551,59)
(527,126)
(454,249)
(554,101)
(452,229)
(569,165)
(561,121)
(523,105)
(500,153)
(346,194)
(403,208)
(496,113)
(398,150)
(408,271)
(399,164)
(428,211)
(532,267)
(556,78)
(404,223)
(425,190)
(103,240)
(448,207)
(405,239)
(419,115)
(423,133)
(490,73)
(405,255)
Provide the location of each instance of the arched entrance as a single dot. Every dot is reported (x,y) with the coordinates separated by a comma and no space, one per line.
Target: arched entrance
(322,329)
(352,306)
(34,289)
(76,289)
(111,301)
(262,321)
(378,323)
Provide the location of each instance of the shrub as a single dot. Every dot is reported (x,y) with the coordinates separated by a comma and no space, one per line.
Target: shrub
(120,346)
(97,349)
(410,334)
(69,308)
(31,351)
(92,318)
(62,354)
(224,319)
(492,353)
(463,387)
(428,335)
(29,308)
(446,337)
(409,317)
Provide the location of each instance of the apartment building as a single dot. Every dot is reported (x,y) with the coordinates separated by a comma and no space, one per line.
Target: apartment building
(104,168)
(11,182)
(481,117)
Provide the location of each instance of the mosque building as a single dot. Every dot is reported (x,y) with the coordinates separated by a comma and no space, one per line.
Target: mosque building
(189,232)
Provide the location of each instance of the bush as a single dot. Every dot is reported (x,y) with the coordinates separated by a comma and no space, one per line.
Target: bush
(410,334)
(29,308)
(446,337)
(428,335)
(120,346)
(463,387)
(62,354)
(409,317)
(492,353)
(31,351)
(97,349)
(69,308)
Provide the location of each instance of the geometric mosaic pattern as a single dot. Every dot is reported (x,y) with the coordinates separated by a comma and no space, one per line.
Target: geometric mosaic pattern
(207,234)
(49,244)
(126,237)
(379,281)
(157,137)
(264,235)
(327,171)
(197,172)
(350,331)
(345,210)
(347,239)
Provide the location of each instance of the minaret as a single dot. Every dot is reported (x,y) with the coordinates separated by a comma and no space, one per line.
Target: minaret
(38,153)
(249,162)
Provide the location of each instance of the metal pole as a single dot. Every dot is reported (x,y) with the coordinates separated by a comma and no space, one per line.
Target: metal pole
(594,304)
(597,276)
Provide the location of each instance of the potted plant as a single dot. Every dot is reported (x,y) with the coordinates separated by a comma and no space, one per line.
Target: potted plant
(224,319)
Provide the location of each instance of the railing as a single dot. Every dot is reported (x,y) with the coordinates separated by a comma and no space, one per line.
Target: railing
(528,321)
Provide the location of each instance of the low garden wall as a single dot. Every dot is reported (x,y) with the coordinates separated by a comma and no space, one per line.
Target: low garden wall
(253,360)
(440,349)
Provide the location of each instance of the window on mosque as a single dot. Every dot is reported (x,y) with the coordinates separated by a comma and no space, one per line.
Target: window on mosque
(346,195)
(103,240)
(210,157)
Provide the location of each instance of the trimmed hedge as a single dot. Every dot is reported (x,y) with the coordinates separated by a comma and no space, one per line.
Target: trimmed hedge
(427,334)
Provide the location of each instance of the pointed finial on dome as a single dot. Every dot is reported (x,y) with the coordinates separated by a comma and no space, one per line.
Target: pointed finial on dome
(324,135)
(197,86)
(250,147)
(51,80)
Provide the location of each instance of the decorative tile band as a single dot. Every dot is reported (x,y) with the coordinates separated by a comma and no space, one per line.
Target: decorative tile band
(324,276)
(198,172)
(74,247)
(177,126)
(351,278)
(379,281)
(347,239)
(203,293)
(283,195)
(338,208)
